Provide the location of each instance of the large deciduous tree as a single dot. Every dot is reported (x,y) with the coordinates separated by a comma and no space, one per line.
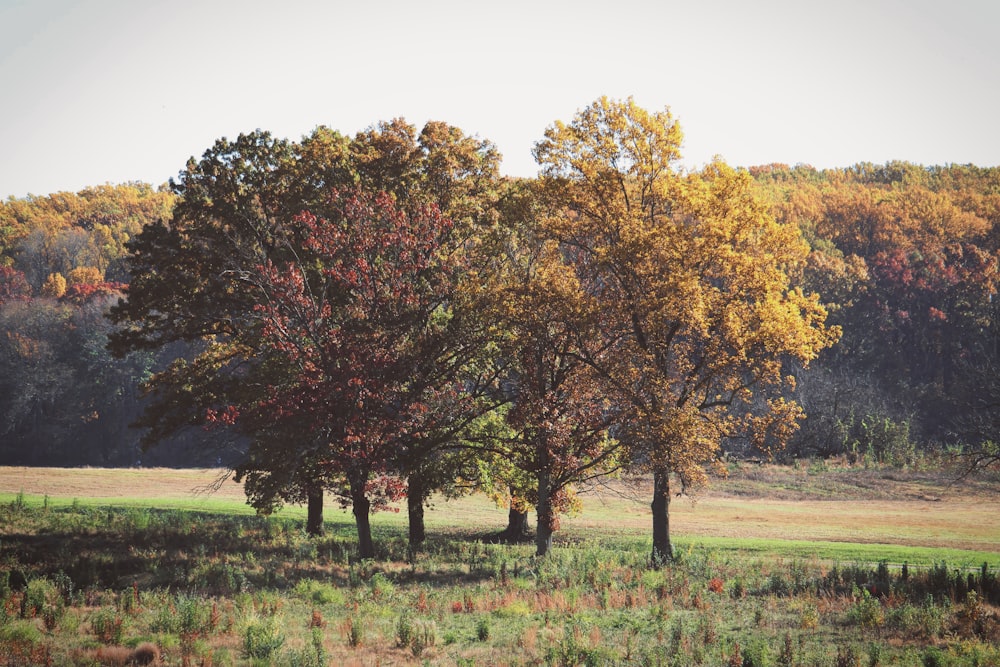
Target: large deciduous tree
(237,218)
(692,276)
(555,432)
(370,347)
(184,281)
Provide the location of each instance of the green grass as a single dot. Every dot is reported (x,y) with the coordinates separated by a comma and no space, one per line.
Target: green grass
(603,520)
(841,552)
(193,504)
(820,550)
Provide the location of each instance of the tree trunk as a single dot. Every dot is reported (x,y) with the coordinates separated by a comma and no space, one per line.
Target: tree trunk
(314,512)
(362,510)
(662,549)
(543,531)
(416,494)
(517,526)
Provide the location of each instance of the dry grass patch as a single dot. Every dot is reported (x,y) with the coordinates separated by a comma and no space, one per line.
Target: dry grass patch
(120,483)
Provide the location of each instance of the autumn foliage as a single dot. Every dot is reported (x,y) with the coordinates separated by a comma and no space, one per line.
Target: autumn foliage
(689,280)
(383,315)
(360,330)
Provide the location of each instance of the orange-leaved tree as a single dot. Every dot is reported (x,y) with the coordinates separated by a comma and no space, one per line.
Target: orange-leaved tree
(558,418)
(692,276)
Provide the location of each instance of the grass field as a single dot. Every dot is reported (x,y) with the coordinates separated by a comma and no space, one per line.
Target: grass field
(836,514)
(777,566)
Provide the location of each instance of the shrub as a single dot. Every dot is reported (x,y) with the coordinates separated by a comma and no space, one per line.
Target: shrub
(874,654)
(778,585)
(42,599)
(129,601)
(113,656)
(262,638)
(735,658)
(20,632)
(182,614)
(355,632)
(381,587)
(318,592)
(515,609)
(404,631)
(738,589)
(787,656)
(483,629)
(848,657)
(106,625)
(146,653)
(883,440)
(164,615)
(314,655)
(867,612)
(809,617)
(757,655)
(931,618)
(933,657)
(905,619)
(708,634)
(316,620)
(193,615)
(572,650)
(221,579)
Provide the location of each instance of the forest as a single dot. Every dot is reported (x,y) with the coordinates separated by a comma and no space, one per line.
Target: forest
(384,316)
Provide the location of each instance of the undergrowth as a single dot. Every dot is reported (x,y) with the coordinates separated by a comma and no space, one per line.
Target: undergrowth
(92,586)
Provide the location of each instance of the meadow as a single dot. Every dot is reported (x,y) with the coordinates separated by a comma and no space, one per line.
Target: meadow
(812,564)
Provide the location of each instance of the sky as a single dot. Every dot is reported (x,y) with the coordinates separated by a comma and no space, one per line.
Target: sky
(111,91)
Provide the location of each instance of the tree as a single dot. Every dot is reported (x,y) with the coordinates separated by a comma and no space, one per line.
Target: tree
(237,212)
(54,286)
(64,231)
(551,433)
(369,349)
(63,400)
(558,417)
(691,275)
(84,275)
(227,219)
(185,285)
(459,175)
(12,285)
(36,372)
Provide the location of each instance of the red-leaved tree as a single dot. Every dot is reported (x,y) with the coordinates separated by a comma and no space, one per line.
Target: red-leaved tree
(363,341)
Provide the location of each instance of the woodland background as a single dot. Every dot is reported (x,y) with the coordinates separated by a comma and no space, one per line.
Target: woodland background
(904,256)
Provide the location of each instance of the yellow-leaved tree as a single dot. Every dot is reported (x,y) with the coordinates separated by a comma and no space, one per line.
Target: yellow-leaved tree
(692,274)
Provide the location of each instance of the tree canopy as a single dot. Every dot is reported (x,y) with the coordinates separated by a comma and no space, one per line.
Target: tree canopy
(690,278)
(312,276)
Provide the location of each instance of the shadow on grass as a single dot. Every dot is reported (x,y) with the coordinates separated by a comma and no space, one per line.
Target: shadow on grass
(213,553)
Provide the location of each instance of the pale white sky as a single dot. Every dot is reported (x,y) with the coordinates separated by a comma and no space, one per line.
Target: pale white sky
(96,91)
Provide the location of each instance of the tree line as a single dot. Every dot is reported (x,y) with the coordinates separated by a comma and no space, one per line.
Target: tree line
(906,260)
(383,316)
